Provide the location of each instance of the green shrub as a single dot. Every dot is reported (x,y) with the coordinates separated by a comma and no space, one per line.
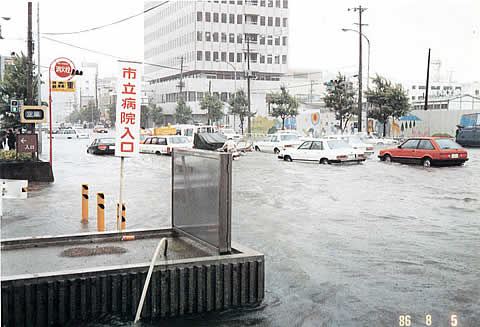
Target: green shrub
(441,135)
(9,155)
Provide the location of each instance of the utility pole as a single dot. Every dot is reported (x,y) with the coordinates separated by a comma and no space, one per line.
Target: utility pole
(30,127)
(360,9)
(39,84)
(428,77)
(311,91)
(96,96)
(248,84)
(181,75)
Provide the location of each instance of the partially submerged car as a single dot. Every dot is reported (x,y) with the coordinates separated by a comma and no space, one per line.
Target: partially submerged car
(428,151)
(164,144)
(278,142)
(323,151)
(102,145)
(355,142)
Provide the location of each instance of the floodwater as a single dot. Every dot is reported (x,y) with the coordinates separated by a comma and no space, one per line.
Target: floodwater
(355,245)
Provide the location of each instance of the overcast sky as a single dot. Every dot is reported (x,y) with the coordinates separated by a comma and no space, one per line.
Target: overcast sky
(400,33)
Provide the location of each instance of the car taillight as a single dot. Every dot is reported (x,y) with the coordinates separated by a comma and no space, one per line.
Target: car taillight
(168,149)
(369,149)
(444,155)
(341,157)
(361,155)
(463,155)
(288,146)
(102,147)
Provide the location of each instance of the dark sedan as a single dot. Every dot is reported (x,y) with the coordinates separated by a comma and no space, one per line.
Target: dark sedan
(103,145)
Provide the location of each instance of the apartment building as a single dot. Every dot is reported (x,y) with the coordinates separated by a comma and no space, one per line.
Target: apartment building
(205,45)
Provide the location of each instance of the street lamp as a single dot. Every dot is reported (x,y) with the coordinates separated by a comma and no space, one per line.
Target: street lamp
(368,66)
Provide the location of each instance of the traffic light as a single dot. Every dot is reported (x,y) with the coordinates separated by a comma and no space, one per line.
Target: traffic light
(14,104)
(77,72)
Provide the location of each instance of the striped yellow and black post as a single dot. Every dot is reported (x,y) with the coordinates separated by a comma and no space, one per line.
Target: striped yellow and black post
(124,221)
(84,203)
(100,212)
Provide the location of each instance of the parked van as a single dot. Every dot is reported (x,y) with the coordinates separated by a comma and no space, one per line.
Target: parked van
(469,136)
(190,130)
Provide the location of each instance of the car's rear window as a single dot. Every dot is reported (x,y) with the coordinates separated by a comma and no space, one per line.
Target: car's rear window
(447,144)
(288,137)
(106,141)
(179,140)
(338,144)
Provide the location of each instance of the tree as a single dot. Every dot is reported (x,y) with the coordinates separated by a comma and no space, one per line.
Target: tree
(387,100)
(284,105)
(156,112)
(183,112)
(340,98)
(112,112)
(213,105)
(14,87)
(88,113)
(239,106)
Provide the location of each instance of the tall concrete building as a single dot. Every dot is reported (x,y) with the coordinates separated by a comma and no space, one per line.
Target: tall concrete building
(205,44)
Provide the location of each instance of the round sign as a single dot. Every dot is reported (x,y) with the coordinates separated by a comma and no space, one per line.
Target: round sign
(63,69)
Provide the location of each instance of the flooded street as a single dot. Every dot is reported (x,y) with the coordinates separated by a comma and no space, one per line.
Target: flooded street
(353,245)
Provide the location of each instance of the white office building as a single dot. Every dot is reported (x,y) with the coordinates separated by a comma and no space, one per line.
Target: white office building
(205,44)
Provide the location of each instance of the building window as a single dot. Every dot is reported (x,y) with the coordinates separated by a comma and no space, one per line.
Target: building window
(285,3)
(224,37)
(444,106)
(239,57)
(421,87)
(239,2)
(199,16)
(231,38)
(215,17)
(270,21)
(477,92)
(215,56)
(277,60)
(232,19)
(224,18)
(262,20)
(277,40)
(269,40)
(414,87)
(262,3)
(284,59)
(262,59)
(413,98)
(231,57)
(207,36)
(224,56)
(277,3)
(199,36)
(207,16)
(239,38)
(215,37)
(232,2)
(270,3)
(285,22)
(277,21)
(199,55)
(207,55)
(253,58)
(239,19)
(262,39)
(284,40)
(269,59)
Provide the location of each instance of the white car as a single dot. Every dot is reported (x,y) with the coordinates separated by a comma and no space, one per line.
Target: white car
(355,142)
(164,144)
(374,139)
(323,151)
(278,142)
(230,134)
(69,134)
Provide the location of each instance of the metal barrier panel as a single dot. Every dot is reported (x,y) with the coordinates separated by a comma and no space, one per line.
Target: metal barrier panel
(201,196)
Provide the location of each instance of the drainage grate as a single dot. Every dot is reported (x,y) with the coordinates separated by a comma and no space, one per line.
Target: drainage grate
(85,252)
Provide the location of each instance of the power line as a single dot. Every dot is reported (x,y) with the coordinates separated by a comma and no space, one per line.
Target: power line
(106,54)
(103,26)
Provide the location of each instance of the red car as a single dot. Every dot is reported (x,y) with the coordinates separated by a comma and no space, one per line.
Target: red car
(438,151)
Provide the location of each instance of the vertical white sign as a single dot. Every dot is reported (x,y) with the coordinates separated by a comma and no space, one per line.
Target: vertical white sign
(127,122)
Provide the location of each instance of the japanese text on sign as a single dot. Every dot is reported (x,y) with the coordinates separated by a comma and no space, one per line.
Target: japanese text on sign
(128,117)
(63,86)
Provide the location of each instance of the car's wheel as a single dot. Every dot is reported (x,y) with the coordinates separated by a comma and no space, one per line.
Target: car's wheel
(276,151)
(427,162)
(323,161)
(387,158)
(158,152)
(287,158)
(257,148)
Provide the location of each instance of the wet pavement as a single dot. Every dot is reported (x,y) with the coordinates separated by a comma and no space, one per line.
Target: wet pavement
(355,245)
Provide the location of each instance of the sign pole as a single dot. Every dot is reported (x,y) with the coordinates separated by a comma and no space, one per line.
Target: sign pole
(121,189)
